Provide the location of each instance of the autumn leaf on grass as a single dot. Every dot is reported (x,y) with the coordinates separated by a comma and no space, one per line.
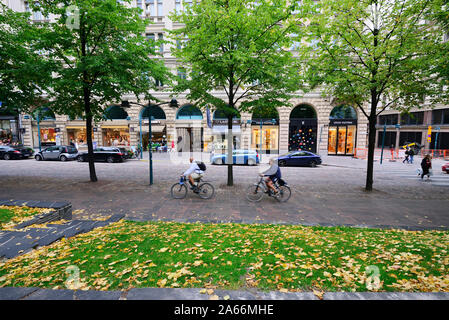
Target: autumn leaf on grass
(318,293)
(163,249)
(161,282)
(198,263)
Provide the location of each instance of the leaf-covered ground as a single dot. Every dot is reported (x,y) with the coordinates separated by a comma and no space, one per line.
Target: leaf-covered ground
(13,215)
(270,257)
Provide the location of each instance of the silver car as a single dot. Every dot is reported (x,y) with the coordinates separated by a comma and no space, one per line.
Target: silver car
(62,153)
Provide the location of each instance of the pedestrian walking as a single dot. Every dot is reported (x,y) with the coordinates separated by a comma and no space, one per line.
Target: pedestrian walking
(411,154)
(426,165)
(407,155)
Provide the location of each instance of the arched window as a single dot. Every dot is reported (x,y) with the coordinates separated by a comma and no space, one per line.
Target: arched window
(265,112)
(115,113)
(189,112)
(343,112)
(45,114)
(303,111)
(154,111)
(221,115)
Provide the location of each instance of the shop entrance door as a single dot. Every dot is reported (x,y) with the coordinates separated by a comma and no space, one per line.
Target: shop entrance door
(342,140)
(302,135)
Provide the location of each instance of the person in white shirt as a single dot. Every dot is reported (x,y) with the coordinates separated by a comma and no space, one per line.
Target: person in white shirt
(194,172)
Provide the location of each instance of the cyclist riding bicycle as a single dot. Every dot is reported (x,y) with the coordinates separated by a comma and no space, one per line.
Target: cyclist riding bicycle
(193,173)
(272,175)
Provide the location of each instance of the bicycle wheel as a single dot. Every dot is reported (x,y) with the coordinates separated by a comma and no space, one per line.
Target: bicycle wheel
(206,190)
(254,193)
(284,194)
(178,191)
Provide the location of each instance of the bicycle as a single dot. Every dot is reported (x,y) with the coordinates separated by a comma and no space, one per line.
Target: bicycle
(179,190)
(256,191)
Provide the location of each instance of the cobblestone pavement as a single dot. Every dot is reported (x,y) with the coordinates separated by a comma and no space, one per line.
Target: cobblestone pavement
(329,194)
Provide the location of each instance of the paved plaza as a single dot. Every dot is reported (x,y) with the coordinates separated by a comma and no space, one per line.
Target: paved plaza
(330,194)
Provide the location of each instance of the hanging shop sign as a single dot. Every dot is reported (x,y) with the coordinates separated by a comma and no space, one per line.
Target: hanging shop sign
(335,122)
(268,122)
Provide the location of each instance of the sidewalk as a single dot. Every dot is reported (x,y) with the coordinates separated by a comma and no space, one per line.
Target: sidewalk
(22,293)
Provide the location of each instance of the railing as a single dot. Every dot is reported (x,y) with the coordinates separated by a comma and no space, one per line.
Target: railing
(436,153)
(362,153)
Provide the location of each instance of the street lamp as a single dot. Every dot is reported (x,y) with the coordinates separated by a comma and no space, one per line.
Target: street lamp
(125,104)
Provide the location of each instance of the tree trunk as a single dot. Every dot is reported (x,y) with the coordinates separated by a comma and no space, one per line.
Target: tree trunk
(371,145)
(229,157)
(90,149)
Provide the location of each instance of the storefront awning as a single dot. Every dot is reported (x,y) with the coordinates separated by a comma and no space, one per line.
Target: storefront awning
(224,129)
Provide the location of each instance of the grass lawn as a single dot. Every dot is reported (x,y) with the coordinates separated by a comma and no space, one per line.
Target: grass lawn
(12,215)
(129,254)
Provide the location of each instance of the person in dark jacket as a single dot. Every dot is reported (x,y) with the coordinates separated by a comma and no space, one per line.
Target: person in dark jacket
(407,153)
(426,165)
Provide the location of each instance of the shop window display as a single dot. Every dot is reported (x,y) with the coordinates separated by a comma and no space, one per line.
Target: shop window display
(78,136)
(116,137)
(5,131)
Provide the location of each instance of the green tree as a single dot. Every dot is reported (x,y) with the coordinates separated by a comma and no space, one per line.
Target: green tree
(24,73)
(440,15)
(240,47)
(372,54)
(101,53)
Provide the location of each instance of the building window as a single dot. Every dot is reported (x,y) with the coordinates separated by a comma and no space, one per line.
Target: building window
(178,6)
(187,3)
(390,139)
(414,118)
(161,45)
(409,137)
(151,9)
(388,119)
(440,116)
(182,73)
(160,11)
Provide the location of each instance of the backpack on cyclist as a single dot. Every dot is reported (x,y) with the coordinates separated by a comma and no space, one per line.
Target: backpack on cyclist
(201,165)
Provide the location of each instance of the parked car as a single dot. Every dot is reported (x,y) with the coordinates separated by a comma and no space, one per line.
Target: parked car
(248,157)
(15,152)
(125,152)
(108,154)
(445,168)
(62,153)
(299,158)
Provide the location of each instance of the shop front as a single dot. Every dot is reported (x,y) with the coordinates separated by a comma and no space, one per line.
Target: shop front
(303,129)
(158,133)
(265,135)
(189,130)
(220,134)
(342,137)
(8,130)
(342,131)
(115,136)
(78,135)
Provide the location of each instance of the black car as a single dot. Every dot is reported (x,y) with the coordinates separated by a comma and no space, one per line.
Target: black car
(299,158)
(108,154)
(62,153)
(15,152)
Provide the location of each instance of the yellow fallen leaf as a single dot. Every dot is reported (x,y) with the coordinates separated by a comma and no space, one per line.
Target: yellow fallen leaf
(214,297)
(226,297)
(163,249)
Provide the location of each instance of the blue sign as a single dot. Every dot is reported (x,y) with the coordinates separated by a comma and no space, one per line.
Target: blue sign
(398,126)
(209,123)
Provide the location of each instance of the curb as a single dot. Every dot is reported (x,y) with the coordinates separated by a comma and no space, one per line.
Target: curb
(24,293)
